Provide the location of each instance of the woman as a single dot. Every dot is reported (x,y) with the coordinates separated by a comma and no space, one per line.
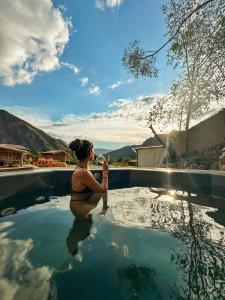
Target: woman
(82,179)
(82,211)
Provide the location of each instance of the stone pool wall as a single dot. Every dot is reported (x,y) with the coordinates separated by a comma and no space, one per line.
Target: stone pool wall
(59,180)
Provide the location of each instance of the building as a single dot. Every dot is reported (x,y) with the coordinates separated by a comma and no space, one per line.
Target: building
(28,158)
(59,155)
(132,163)
(150,156)
(11,154)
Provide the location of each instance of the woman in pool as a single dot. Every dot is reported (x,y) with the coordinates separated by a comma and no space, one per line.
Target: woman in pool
(82,211)
(82,179)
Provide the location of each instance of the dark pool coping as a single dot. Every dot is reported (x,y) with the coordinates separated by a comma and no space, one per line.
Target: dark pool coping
(198,181)
(41,170)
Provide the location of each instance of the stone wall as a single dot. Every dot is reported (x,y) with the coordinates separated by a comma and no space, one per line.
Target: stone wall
(206,138)
(208,133)
(202,136)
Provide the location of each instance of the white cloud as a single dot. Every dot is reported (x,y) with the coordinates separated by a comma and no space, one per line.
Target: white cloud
(33,36)
(120,102)
(83,81)
(95,90)
(62,7)
(102,4)
(19,279)
(119,83)
(72,67)
(124,125)
(115,85)
(129,81)
(34,116)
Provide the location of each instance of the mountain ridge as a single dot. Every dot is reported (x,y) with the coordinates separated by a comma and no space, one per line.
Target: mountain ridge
(14,130)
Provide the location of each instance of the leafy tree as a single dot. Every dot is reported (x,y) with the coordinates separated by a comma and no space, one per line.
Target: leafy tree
(196,33)
(194,50)
(141,62)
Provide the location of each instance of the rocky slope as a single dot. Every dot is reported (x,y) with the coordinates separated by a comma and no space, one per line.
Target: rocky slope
(14,130)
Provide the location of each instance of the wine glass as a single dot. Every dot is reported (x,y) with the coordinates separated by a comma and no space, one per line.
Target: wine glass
(100,159)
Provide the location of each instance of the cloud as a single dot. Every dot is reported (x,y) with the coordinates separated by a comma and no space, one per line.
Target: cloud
(72,67)
(33,37)
(19,278)
(115,85)
(124,123)
(84,81)
(103,4)
(120,102)
(129,81)
(119,83)
(95,90)
(62,7)
(34,115)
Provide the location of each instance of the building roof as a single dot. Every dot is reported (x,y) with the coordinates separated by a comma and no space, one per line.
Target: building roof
(12,148)
(54,152)
(147,147)
(20,147)
(29,154)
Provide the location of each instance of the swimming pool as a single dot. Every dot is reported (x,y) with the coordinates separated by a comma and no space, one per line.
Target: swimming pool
(136,243)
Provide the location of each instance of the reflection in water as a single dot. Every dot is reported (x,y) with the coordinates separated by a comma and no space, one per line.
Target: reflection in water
(139,280)
(201,258)
(19,279)
(12,204)
(169,245)
(80,205)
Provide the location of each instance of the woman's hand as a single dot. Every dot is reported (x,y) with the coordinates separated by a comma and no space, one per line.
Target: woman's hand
(105,166)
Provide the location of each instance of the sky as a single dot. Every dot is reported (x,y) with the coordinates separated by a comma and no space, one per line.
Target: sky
(61,70)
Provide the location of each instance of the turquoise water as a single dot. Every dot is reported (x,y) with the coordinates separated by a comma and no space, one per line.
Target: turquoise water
(136,243)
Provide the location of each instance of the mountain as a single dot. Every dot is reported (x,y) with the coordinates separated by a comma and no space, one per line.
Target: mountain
(127,151)
(99,151)
(14,130)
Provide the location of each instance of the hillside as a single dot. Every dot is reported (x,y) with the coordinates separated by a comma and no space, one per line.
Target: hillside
(99,151)
(125,151)
(14,130)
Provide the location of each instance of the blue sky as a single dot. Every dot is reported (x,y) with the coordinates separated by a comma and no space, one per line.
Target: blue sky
(45,87)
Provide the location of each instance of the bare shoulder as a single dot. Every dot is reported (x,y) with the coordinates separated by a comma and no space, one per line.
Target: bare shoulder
(81,173)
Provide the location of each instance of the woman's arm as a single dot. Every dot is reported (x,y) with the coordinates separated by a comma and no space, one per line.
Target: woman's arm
(88,180)
(105,204)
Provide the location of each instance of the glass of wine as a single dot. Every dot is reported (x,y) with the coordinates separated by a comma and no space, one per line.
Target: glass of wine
(100,159)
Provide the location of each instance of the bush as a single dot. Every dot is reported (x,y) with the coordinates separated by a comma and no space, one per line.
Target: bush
(49,163)
(72,161)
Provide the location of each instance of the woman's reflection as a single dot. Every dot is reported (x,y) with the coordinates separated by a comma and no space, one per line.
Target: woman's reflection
(81,204)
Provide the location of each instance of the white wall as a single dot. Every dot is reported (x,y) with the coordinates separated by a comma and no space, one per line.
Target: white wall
(150,157)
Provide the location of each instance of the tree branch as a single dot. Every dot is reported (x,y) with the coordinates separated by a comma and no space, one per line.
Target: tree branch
(177,31)
(157,136)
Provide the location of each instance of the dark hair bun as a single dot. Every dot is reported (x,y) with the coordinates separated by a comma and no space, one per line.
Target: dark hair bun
(80,148)
(76,145)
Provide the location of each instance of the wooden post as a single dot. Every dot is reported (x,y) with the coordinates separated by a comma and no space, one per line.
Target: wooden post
(137,157)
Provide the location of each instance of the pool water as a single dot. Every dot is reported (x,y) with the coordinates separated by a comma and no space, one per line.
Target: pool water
(135,243)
